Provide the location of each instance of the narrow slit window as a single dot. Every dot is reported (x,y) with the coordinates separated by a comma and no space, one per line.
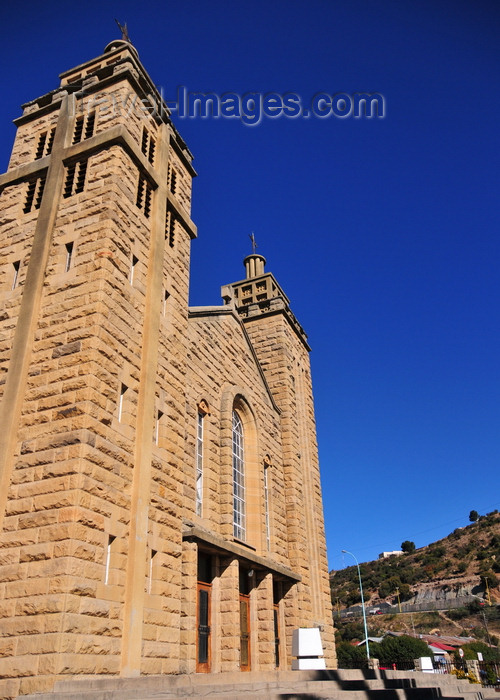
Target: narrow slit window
(16,266)
(199,464)
(45,143)
(148,145)
(147,201)
(143,199)
(30,195)
(150,571)
(34,194)
(80,179)
(39,191)
(151,151)
(140,192)
(69,256)
(173,181)
(121,401)
(50,141)
(170,228)
(144,142)
(77,134)
(68,183)
(133,265)
(239,516)
(158,424)
(76,174)
(90,125)
(41,146)
(266,506)
(111,539)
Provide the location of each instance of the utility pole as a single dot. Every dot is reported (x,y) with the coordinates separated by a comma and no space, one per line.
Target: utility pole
(487,590)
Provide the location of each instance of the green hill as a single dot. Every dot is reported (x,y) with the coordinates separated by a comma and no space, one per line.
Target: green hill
(467,560)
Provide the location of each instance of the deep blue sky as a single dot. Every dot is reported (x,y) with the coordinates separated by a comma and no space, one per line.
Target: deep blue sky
(383,232)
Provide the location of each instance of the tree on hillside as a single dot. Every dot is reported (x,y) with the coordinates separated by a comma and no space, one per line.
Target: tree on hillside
(408,546)
(391,585)
(403,648)
(349,656)
(470,651)
(473,516)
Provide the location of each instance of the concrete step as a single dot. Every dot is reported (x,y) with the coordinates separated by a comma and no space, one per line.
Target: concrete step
(283,685)
(255,693)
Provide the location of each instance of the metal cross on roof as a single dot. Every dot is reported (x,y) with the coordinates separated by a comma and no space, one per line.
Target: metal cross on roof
(254,242)
(124,31)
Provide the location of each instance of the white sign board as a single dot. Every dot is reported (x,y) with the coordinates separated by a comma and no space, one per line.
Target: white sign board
(426,664)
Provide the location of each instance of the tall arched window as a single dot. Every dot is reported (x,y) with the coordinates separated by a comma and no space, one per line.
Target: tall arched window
(239,526)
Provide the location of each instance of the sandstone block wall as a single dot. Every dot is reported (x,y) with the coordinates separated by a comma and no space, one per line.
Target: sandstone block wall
(102,371)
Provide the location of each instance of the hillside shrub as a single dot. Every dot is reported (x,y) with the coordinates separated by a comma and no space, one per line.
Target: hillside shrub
(350,656)
(403,648)
(470,652)
(458,613)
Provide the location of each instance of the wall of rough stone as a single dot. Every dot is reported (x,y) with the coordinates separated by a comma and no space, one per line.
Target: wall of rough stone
(117,369)
(285,361)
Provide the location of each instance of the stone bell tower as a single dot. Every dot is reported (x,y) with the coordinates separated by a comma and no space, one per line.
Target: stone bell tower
(281,346)
(95,237)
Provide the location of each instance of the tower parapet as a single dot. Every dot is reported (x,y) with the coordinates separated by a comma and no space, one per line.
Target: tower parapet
(259,294)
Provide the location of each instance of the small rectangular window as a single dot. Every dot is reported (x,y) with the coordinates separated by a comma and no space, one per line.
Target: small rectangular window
(158,424)
(149,584)
(111,539)
(199,464)
(266,507)
(133,264)
(170,228)
(144,142)
(75,178)
(143,199)
(84,127)
(151,152)
(69,256)
(50,141)
(148,145)
(34,194)
(30,195)
(89,125)
(70,178)
(41,146)
(15,278)
(80,180)
(39,191)
(173,180)
(45,143)
(121,401)
(77,134)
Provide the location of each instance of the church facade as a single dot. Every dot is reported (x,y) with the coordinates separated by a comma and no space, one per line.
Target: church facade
(160,499)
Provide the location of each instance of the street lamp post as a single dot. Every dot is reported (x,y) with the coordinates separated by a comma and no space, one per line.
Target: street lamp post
(399,599)
(344,551)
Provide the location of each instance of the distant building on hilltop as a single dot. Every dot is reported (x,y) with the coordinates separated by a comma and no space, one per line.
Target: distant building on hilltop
(385,555)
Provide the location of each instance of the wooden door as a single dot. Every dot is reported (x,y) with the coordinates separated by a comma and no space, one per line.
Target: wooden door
(276,635)
(244,632)
(204,591)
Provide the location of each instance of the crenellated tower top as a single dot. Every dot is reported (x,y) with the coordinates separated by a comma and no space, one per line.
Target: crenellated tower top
(259,295)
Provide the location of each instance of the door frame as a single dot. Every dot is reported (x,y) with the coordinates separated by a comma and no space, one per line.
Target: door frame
(204,666)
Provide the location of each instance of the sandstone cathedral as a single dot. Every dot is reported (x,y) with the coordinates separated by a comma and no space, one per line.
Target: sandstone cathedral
(160,500)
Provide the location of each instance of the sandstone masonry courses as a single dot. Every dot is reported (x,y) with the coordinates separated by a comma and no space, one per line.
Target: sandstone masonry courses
(116,517)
